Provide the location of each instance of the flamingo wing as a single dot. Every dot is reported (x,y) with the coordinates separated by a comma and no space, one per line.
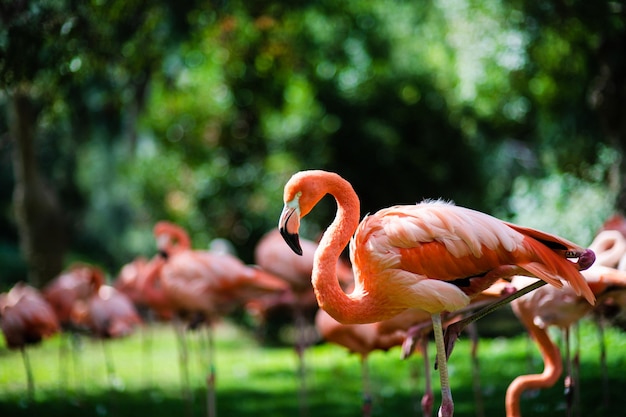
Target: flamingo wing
(446,254)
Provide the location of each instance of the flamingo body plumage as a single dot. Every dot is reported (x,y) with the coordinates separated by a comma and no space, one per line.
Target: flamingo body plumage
(78,282)
(25,316)
(25,319)
(109,313)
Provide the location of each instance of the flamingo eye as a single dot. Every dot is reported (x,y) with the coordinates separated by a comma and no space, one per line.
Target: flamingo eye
(295,201)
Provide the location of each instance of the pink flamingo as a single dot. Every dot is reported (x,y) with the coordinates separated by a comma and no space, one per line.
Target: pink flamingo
(78,282)
(362,339)
(434,256)
(131,281)
(127,280)
(275,257)
(153,304)
(202,285)
(562,308)
(108,314)
(26,318)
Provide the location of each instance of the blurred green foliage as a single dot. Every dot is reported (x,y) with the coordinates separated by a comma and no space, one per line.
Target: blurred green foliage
(199,112)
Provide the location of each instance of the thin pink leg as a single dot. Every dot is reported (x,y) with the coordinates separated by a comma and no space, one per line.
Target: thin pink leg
(447,405)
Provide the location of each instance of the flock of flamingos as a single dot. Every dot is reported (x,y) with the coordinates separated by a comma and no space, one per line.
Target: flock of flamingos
(413,270)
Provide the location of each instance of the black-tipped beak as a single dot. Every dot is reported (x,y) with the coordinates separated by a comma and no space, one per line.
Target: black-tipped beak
(292,239)
(288,225)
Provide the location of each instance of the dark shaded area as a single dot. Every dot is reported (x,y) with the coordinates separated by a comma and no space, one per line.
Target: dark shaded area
(242,402)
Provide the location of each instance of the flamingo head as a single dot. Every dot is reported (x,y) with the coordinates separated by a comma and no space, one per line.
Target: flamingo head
(302,192)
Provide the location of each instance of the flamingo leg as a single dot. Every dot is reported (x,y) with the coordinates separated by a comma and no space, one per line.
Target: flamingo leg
(183,365)
(76,348)
(428,397)
(576,372)
(29,374)
(211,398)
(454,330)
(146,347)
(114,382)
(110,367)
(414,375)
(603,366)
(63,378)
(568,383)
(478,398)
(300,347)
(447,405)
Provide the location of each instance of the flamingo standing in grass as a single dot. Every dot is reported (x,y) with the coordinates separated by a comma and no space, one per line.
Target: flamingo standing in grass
(610,248)
(562,308)
(131,281)
(202,286)
(107,314)
(151,304)
(362,339)
(275,257)
(78,282)
(434,256)
(26,318)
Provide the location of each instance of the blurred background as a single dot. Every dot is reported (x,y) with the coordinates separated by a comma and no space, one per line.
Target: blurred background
(120,113)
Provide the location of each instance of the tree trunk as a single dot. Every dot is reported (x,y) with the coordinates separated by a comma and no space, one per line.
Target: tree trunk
(37,210)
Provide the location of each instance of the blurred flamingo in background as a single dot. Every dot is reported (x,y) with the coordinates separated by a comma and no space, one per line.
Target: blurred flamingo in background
(537,311)
(203,286)
(616,222)
(275,257)
(78,282)
(132,279)
(362,339)
(610,247)
(26,318)
(549,351)
(128,281)
(563,308)
(108,314)
(152,304)
(434,256)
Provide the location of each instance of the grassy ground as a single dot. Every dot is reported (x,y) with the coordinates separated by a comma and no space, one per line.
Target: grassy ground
(253,379)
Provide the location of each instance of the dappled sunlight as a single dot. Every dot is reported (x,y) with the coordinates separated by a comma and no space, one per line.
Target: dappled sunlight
(120,114)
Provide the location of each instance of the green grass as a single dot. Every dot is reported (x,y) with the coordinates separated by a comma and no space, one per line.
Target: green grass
(252,379)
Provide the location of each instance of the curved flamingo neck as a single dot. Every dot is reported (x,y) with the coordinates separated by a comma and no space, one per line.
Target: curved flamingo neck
(551,372)
(178,238)
(330,296)
(181,239)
